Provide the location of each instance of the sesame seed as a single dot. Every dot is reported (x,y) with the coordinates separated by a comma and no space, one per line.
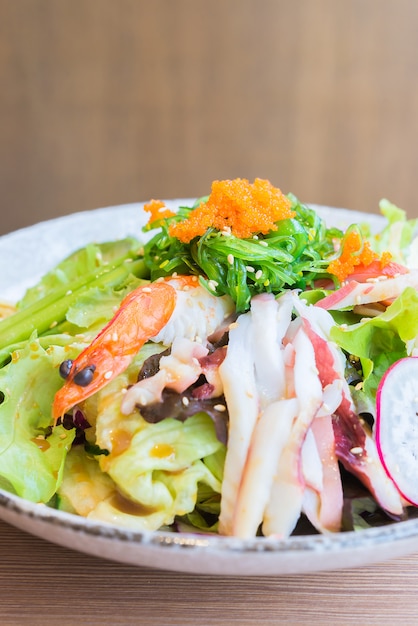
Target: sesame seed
(249,269)
(108,375)
(356,450)
(147,289)
(264,243)
(185,401)
(212,284)
(258,274)
(220,407)
(230,259)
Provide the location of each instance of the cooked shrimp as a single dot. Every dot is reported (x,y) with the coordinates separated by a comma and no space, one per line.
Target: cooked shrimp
(142,314)
(198,314)
(160,311)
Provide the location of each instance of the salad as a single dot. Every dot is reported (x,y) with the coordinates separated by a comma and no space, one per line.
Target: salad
(248,370)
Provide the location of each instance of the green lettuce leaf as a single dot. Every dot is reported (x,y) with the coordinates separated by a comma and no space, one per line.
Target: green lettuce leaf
(163,465)
(31,463)
(97,305)
(398,234)
(382,340)
(82,262)
(160,467)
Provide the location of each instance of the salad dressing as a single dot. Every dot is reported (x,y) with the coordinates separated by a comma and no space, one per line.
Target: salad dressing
(120,441)
(42,443)
(125,505)
(162,451)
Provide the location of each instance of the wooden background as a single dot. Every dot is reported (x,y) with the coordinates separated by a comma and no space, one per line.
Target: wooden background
(112,101)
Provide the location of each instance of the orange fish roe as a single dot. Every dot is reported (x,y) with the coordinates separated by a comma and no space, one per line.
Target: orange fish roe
(355,253)
(158,211)
(238,207)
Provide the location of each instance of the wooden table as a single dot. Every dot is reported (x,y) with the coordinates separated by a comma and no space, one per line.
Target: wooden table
(41,583)
(111,101)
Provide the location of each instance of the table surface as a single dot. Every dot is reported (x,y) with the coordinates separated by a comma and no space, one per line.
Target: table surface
(41,583)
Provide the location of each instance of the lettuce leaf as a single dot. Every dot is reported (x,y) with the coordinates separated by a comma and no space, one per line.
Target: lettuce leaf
(380,341)
(163,466)
(397,236)
(31,463)
(97,305)
(157,469)
(82,262)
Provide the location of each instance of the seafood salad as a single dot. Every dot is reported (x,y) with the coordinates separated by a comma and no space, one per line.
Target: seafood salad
(240,368)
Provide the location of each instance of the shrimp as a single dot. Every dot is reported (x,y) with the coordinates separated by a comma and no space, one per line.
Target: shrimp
(159,311)
(198,314)
(142,314)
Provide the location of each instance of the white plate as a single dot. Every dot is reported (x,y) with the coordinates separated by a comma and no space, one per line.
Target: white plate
(24,256)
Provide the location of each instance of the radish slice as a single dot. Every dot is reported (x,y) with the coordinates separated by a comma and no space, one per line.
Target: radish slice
(397,426)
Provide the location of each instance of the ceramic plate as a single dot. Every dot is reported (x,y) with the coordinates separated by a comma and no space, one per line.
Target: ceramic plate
(24,256)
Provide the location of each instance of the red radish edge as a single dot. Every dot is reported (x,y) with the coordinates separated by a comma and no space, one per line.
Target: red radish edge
(390,466)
